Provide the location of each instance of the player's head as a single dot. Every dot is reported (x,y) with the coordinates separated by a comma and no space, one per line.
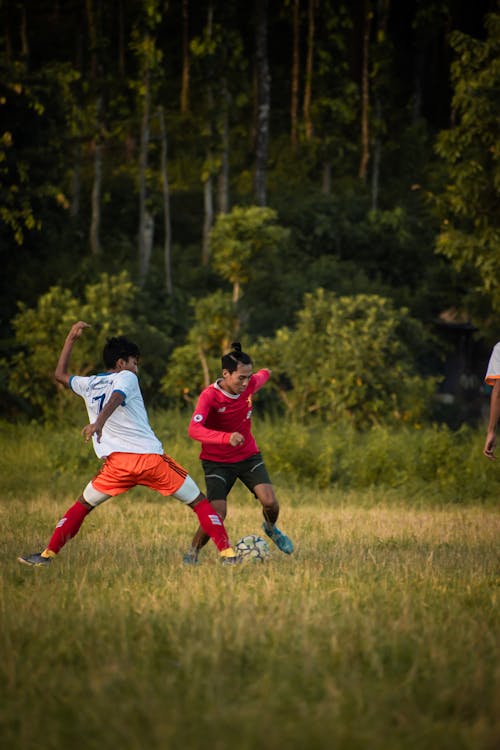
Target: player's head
(235,357)
(119,347)
(236,370)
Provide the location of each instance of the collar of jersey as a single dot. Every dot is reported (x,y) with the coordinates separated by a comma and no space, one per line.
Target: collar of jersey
(229,395)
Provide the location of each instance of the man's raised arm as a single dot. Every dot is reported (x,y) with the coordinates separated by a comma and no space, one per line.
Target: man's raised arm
(61,373)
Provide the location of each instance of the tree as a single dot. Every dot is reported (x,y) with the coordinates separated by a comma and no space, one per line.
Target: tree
(219,59)
(468,206)
(334,107)
(294,101)
(40,331)
(167,243)
(149,58)
(238,238)
(263,103)
(309,70)
(365,91)
(109,305)
(349,358)
(195,364)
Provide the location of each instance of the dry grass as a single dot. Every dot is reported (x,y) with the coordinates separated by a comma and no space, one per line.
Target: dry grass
(380,632)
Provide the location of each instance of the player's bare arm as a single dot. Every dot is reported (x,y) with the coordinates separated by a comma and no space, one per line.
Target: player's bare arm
(62,368)
(95,428)
(491,435)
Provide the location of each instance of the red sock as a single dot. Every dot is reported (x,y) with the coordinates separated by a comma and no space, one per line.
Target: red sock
(68,526)
(212,524)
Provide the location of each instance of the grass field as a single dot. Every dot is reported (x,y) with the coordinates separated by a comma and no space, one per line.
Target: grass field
(380,632)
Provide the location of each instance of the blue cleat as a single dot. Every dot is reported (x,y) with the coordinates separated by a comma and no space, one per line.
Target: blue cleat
(282,541)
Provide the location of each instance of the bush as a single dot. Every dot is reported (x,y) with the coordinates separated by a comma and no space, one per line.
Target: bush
(350,358)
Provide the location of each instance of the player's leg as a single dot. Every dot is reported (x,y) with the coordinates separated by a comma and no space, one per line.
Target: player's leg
(201,538)
(108,482)
(256,478)
(270,511)
(68,527)
(165,475)
(219,479)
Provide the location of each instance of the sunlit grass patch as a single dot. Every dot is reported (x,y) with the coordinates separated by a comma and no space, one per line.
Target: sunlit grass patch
(380,631)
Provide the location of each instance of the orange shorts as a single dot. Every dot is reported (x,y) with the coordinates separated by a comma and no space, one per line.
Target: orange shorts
(122,471)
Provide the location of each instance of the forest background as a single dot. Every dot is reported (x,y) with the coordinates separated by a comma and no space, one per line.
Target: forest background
(318,179)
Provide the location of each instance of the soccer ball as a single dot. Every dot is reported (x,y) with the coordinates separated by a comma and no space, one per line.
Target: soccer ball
(253,548)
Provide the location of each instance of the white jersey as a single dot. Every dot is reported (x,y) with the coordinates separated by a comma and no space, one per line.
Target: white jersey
(127,430)
(493,371)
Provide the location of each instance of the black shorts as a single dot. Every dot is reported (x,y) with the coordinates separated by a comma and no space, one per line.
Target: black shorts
(220,478)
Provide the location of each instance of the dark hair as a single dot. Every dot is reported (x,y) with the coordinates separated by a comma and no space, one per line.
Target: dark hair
(235,357)
(117,348)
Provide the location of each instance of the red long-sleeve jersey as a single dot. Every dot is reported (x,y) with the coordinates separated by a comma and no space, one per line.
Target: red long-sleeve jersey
(218,414)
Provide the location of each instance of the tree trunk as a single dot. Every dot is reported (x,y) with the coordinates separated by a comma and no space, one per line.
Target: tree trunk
(365,92)
(92,24)
(76,184)
(294,105)
(208,192)
(186,61)
(326,184)
(236,292)
(146,223)
(167,244)
(263,103)
(121,40)
(204,367)
(95,201)
(223,186)
(382,18)
(95,220)
(208,212)
(309,72)
(377,155)
(25,50)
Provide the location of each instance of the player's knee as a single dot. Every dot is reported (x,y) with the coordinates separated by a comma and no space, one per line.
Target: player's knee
(85,504)
(268,499)
(193,503)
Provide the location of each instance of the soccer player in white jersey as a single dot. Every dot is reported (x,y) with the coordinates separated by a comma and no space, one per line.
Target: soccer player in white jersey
(493,378)
(123,438)
(222,422)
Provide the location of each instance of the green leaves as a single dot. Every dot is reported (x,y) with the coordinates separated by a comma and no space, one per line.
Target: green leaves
(40,332)
(470,231)
(349,358)
(239,237)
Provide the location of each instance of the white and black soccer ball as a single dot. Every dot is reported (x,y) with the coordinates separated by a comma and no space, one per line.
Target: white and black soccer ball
(253,548)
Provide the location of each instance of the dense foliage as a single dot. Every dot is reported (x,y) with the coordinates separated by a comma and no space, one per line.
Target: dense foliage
(221,163)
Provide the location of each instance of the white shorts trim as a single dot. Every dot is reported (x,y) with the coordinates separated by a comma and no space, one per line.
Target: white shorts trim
(188,491)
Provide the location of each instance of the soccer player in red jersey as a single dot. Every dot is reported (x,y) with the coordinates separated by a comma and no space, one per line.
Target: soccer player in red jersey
(222,422)
(132,454)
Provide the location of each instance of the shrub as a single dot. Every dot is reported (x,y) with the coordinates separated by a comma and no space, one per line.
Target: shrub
(350,357)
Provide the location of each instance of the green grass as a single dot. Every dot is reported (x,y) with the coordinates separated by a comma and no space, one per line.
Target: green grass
(380,632)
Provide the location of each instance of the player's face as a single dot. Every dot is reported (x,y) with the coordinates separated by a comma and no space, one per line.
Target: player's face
(132,364)
(237,381)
